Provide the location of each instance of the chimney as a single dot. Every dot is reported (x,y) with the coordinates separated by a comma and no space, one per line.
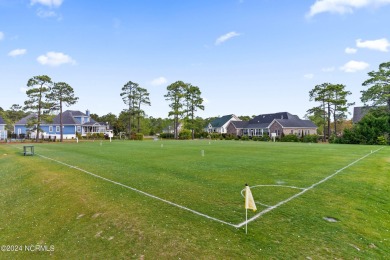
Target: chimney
(87,112)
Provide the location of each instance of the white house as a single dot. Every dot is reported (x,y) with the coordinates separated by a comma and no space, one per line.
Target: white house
(3,131)
(219,125)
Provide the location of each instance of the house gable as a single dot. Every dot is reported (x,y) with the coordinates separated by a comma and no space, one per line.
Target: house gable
(220,125)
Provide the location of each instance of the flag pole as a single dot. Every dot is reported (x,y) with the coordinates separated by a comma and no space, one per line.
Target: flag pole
(249,204)
(246,221)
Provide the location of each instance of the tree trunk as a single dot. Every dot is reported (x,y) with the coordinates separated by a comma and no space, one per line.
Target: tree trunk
(61,124)
(328,121)
(324,134)
(175,127)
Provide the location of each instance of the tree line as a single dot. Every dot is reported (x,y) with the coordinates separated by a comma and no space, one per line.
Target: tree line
(332,104)
(44,97)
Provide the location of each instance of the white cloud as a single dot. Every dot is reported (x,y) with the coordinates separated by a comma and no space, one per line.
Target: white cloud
(354,66)
(349,50)
(46,13)
(49,3)
(159,81)
(308,76)
(55,59)
(379,45)
(342,6)
(226,37)
(329,69)
(1,36)
(17,52)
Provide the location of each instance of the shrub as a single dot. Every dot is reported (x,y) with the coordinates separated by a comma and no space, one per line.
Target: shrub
(310,139)
(265,138)
(229,136)
(139,136)
(245,138)
(166,136)
(382,140)
(215,135)
(185,134)
(201,135)
(290,138)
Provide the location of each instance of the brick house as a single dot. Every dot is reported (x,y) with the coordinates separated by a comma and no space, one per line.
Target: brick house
(278,123)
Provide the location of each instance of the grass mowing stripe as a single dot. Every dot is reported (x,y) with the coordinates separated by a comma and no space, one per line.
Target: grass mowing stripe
(139,191)
(303,191)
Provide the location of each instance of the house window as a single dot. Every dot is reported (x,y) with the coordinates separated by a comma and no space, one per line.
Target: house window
(79,129)
(51,128)
(19,131)
(57,128)
(292,131)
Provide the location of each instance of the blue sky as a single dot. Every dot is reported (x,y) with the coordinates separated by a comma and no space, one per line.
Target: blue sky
(248,57)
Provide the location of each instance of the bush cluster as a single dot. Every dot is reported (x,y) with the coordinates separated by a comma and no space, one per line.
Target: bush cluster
(372,129)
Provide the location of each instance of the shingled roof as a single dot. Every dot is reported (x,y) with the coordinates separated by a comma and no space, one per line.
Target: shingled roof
(359,112)
(296,123)
(263,121)
(25,119)
(239,124)
(67,118)
(219,122)
(268,118)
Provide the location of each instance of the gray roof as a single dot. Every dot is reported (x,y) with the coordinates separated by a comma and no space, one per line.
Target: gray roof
(2,122)
(296,123)
(239,124)
(76,112)
(359,112)
(67,118)
(285,119)
(268,118)
(257,125)
(25,119)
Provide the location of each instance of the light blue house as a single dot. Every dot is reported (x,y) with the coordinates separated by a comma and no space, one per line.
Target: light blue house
(73,122)
(3,131)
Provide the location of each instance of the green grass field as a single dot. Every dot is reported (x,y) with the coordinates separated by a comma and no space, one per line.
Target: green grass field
(170,200)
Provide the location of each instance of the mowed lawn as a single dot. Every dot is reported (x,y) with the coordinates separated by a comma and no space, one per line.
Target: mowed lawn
(54,199)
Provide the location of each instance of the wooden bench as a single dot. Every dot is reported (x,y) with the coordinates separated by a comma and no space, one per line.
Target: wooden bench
(28,150)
